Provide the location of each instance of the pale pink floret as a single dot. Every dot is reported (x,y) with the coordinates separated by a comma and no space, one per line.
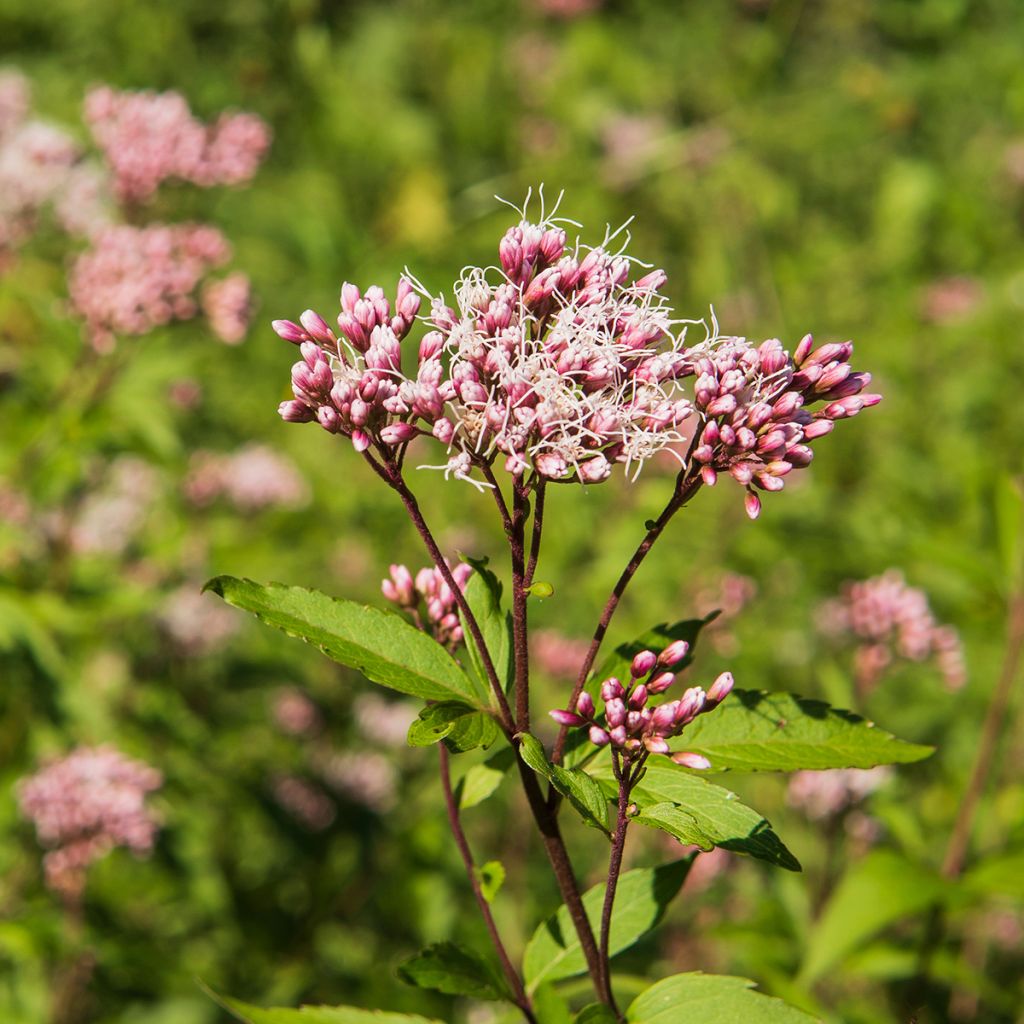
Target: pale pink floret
(227,304)
(252,479)
(825,794)
(85,805)
(429,599)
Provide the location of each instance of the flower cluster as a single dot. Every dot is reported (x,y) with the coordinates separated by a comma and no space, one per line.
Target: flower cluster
(430,588)
(891,619)
(561,363)
(254,478)
(83,806)
(826,794)
(630,725)
(762,407)
(227,304)
(196,623)
(148,137)
(135,279)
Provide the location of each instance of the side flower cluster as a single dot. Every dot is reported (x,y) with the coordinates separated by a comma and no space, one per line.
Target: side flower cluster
(762,407)
(560,363)
(429,590)
(85,805)
(628,724)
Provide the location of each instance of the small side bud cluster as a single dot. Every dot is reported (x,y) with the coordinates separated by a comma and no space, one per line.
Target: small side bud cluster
(629,724)
(430,590)
(85,805)
(757,409)
(890,619)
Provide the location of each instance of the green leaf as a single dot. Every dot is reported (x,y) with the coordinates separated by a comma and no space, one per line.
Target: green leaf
(550,1006)
(716,813)
(1000,876)
(583,792)
(711,999)
(878,891)
(380,644)
(596,1013)
(491,877)
(482,780)
(317,1015)
(483,595)
(676,822)
(641,897)
(757,731)
(454,970)
(579,750)
(461,727)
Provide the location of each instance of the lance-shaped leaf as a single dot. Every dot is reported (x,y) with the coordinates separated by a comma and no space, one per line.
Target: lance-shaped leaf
(711,999)
(579,750)
(483,595)
(875,893)
(757,731)
(491,877)
(380,644)
(317,1014)
(554,951)
(583,792)
(461,727)
(482,780)
(702,809)
(596,1013)
(454,970)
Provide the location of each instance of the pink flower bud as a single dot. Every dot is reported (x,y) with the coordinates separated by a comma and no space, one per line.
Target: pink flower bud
(349,297)
(661,682)
(709,475)
(803,349)
(610,689)
(656,744)
(316,326)
(585,705)
(444,430)
(652,281)
(618,736)
(329,419)
(398,433)
(752,504)
(566,717)
(819,428)
(643,664)
(289,331)
(719,690)
(360,440)
(722,406)
(663,718)
(430,345)
(674,653)
(638,698)
(615,711)
(695,761)
(690,705)
(598,736)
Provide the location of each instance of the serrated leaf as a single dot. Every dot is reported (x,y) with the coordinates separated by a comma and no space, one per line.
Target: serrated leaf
(579,750)
(711,999)
(454,970)
(317,1014)
(461,727)
(583,792)
(717,813)
(640,900)
(876,892)
(491,877)
(596,1013)
(378,643)
(757,731)
(676,822)
(483,595)
(482,780)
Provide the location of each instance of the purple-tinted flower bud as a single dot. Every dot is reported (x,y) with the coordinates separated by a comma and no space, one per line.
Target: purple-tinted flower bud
(661,682)
(674,653)
(598,736)
(329,419)
(773,357)
(552,244)
(643,664)
(651,282)
(719,690)
(563,717)
(594,470)
(398,433)
(444,430)
(316,326)
(615,711)
(635,721)
(752,504)
(354,331)
(585,705)
(803,349)
(722,406)
(709,475)
(656,744)
(704,453)
(349,297)
(819,428)
(788,404)
(360,440)
(289,331)
(688,760)
(690,705)
(618,735)
(611,689)
(663,719)
(295,412)
(638,698)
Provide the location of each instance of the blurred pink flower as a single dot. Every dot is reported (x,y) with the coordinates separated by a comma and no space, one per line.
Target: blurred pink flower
(828,793)
(384,721)
(309,806)
(111,516)
(950,299)
(557,655)
(566,8)
(254,478)
(228,306)
(83,806)
(294,713)
(363,777)
(197,623)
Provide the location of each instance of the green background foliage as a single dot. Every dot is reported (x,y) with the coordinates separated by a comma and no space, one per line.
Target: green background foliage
(825,167)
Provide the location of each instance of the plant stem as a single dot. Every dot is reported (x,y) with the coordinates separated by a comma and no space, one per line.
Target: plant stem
(538,526)
(393,477)
(520,634)
(522,1000)
(685,489)
(622,773)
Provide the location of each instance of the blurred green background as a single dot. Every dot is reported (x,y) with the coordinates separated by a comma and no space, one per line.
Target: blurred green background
(853,169)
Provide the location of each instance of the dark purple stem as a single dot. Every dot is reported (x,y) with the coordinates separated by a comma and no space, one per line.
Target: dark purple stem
(522,1000)
(520,637)
(686,488)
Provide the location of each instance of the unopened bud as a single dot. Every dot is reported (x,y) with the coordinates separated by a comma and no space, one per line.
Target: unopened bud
(674,653)
(610,689)
(643,664)
(661,682)
(563,717)
(585,705)
(688,760)
(719,690)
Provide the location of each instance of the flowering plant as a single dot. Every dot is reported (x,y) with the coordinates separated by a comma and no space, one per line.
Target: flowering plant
(554,367)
